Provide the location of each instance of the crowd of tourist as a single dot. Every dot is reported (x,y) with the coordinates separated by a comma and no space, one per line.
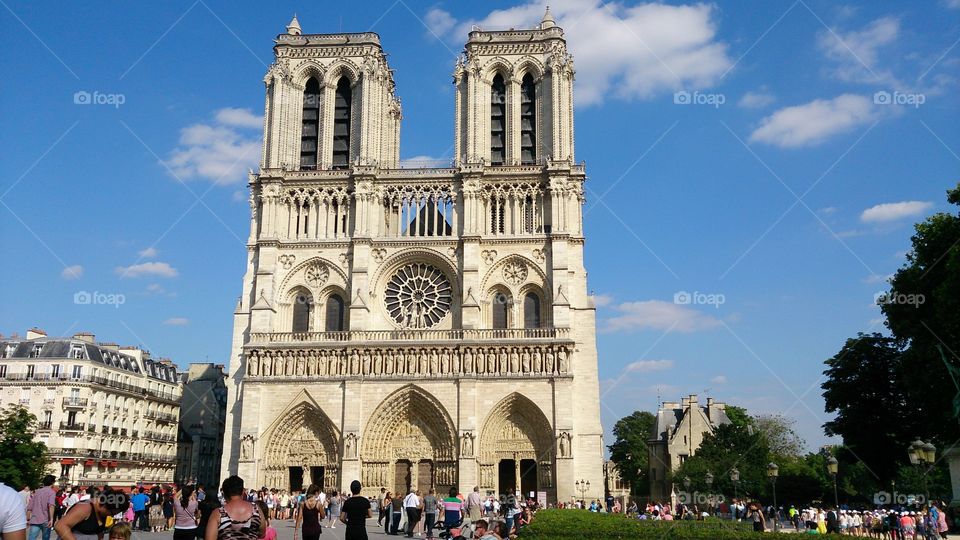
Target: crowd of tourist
(238,513)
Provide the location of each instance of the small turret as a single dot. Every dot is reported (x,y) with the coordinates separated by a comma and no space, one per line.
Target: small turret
(547,21)
(294,27)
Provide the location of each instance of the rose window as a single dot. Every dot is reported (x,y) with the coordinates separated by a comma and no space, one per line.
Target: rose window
(418,296)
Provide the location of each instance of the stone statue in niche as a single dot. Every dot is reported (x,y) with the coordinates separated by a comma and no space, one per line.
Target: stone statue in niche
(246,448)
(562,360)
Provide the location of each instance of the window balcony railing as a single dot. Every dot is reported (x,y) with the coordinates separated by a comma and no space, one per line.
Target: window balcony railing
(491,334)
(74,402)
(49,402)
(67,426)
(45,426)
(160,416)
(92,428)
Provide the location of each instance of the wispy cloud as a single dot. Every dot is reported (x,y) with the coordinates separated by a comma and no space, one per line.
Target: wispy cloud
(658,315)
(177,321)
(856,54)
(883,213)
(719,379)
(756,100)
(621,50)
(220,151)
(73,272)
(159,269)
(646,366)
(815,122)
(601,300)
(148,253)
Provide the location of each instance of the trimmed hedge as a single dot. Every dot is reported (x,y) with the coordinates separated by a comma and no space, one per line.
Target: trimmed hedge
(585,525)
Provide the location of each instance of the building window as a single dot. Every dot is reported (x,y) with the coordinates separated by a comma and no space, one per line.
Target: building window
(55,370)
(31,371)
(528,120)
(78,352)
(3,372)
(531,311)
(310,127)
(501,310)
(77,372)
(35,353)
(498,118)
(341,124)
(335,314)
(302,312)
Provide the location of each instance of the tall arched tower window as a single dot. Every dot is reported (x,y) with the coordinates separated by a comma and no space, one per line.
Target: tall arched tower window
(310,125)
(302,312)
(341,124)
(501,310)
(498,119)
(528,120)
(531,311)
(334,314)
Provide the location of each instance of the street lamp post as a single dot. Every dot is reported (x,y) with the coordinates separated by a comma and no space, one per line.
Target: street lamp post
(833,467)
(735,479)
(708,478)
(920,454)
(582,487)
(772,471)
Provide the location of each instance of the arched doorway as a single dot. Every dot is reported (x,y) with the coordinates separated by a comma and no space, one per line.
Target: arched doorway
(302,449)
(516,449)
(409,441)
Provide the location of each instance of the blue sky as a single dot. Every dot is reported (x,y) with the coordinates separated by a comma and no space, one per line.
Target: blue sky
(769,156)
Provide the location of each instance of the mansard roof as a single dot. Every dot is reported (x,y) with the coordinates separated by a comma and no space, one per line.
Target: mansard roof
(105,354)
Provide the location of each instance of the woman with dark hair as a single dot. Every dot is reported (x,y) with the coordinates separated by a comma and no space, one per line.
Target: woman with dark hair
(168,510)
(86,520)
(205,508)
(237,519)
(156,509)
(452,509)
(310,515)
(186,514)
(333,509)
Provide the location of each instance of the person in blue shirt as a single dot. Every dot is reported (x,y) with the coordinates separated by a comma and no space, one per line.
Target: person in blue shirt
(139,502)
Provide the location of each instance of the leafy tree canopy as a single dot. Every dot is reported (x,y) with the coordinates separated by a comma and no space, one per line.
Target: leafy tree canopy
(23,460)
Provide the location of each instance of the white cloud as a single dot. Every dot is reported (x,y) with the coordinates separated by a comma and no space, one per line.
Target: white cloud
(221,151)
(601,300)
(177,321)
(71,273)
(873,279)
(882,213)
(953,4)
(658,315)
(756,100)
(439,22)
(646,366)
(719,379)
(813,123)
(417,162)
(159,269)
(856,53)
(148,253)
(621,50)
(230,116)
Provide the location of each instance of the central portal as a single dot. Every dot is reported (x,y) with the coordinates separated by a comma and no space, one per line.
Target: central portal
(401,479)
(507,476)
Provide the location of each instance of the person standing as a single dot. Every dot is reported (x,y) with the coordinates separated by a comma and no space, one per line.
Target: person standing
(86,520)
(40,510)
(474,504)
(387,507)
(333,509)
(13,515)
(185,514)
(453,508)
(356,510)
(411,505)
(139,502)
(238,519)
(380,498)
(396,514)
(310,515)
(430,505)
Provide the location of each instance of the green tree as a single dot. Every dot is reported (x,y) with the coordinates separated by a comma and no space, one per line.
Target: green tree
(629,450)
(738,416)
(923,312)
(864,387)
(781,438)
(23,460)
(729,446)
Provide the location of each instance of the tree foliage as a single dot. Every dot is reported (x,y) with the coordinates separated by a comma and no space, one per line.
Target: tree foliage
(23,460)
(781,438)
(629,450)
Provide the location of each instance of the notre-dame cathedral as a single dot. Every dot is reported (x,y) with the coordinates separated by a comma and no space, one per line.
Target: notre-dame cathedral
(421,327)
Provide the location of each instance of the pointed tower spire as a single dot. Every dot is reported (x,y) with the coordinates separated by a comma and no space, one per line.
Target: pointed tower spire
(547,21)
(294,27)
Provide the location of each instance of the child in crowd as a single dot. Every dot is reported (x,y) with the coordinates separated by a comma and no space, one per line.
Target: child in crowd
(265,516)
(121,531)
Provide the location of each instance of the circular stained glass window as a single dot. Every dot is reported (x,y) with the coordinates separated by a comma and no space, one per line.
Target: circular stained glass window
(418,296)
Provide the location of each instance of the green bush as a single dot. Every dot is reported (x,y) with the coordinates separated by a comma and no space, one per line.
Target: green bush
(584,525)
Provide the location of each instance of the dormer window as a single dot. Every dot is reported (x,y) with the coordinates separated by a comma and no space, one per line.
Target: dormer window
(78,352)
(35,353)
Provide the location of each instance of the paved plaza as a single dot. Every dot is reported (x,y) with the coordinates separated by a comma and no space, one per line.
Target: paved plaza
(285,531)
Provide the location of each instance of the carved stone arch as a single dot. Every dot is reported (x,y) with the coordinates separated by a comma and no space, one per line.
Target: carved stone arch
(494,66)
(531,65)
(308,69)
(302,435)
(295,275)
(342,67)
(534,274)
(386,271)
(517,429)
(409,428)
(545,309)
(322,298)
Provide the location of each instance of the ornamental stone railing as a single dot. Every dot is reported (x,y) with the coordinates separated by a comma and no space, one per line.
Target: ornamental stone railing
(409,335)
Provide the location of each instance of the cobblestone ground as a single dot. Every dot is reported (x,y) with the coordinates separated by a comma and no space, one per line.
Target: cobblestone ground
(285,532)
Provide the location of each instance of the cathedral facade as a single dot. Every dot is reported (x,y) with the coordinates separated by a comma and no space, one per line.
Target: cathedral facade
(417,327)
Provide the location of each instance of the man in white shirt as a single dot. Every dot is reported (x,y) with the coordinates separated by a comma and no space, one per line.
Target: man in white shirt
(72,499)
(411,506)
(13,515)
